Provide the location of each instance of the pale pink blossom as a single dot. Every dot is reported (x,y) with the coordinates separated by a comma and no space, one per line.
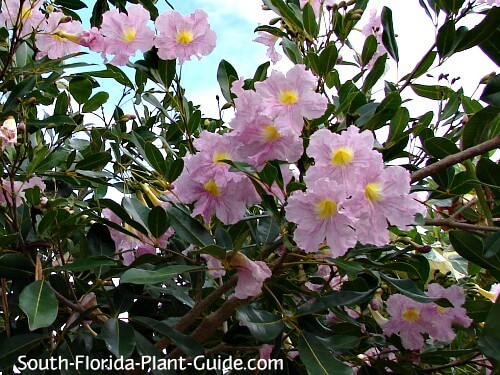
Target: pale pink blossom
(292,96)
(407,321)
(269,40)
(386,198)
(181,37)
(342,157)
(29,15)
(251,275)
(215,194)
(12,193)
(59,38)
(214,265)
(327,273)
(489,2)
(8,133)
(443,317)
(92,39)
(125,34)
(322,214)
(317,4)
(265,351)
(374,27)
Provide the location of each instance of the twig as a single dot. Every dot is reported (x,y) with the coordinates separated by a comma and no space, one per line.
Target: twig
(459,225)
(456,158)
(5,304)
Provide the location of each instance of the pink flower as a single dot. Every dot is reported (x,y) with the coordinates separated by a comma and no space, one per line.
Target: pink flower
(265,351)
(342,157)
(13,194)
(374,27)
(181,37)
(30,16)
(125,34)
(327,273)
(444,317)
(269,40)
(317,4)
(264,139)
(214,265)
(386,198)
(251,276)
(215,194)
(60,37)
(292,96)
(8,133)
(322,213)
(406,320)
(92,39)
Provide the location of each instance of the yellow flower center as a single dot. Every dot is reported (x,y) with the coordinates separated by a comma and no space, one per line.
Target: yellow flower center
(61,36)
(410,315)
(288,97)
(325,209)
(342,156)
(26,12)
(212,188)
(270,134)
(128,35)
(373,192)
(184,37)
(442,310)
(220,155)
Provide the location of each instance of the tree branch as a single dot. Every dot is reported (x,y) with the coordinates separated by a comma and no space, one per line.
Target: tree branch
(459,225)
(456,158)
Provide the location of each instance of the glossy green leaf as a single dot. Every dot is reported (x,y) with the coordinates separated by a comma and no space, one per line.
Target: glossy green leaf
(318,359)
(488,172)
(186,343)
(263,325)
(167,70)
(481,127)
(100,241)
(489,341)
(39,303)
(410,289)
(491,93)
(423,66)
(137,210)
(226,75)
(375,73)
(156,158)
(147,349)
(470,247)
(398,124)
(14,347)
(158,221)
(327,59)
(119,337)
(337,298)
(369,49)
(80,88)
(94,161)
(446,39)
(188,228)
(71,4)
(481,32)
(87,264)
(15,265)
(95,102)
(491,245)
(388,36)
(19,91)
(213,250)
(288,15)
(141,276)
(309,20)
(439,147)
(435,92)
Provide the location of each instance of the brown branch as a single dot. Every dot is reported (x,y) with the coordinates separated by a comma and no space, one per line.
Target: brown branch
(199,308)
(456,158)
(459,225)
(5,304)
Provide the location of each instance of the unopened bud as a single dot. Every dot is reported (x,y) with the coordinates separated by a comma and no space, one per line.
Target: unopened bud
(49,8)
(487,78)
(21,127)
(66,19)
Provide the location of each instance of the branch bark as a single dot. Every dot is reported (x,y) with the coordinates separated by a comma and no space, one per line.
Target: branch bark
(456,158)
(459,225)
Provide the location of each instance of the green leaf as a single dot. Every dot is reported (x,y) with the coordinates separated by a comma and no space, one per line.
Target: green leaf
(446,39)
(327,59)
(87,264)
(158,221)
(119,337)
(288,15)
(39,303)
(71,4)
(375,74)
(186,343)
(147,349)
(80,88)
(369,49)
(410,289)
(440,147)
(488,172)
(482,126)
(309,21)
(189,229)
(470,247)
(490,47)
(450,6)
(482,32)
(213,250)
(388,36)
(226,75)
(94,161)
(141,276)
(434,92)
(423,66)
(194,121)
(398,124)
(263,325)
(14,347)
(137,210)
(15,265)
(167,70)
(19,91)
(155,158)
(491,93)
(95,102)
(100,241)
(489,341)
(491,245)
(337,298)
(318,359)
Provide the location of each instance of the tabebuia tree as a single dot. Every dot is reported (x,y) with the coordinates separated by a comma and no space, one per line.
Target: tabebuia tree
(322,219)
